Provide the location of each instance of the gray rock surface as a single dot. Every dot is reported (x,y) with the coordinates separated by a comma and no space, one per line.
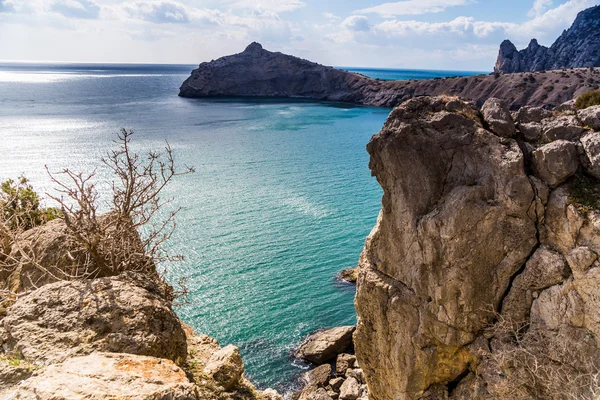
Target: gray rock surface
(565,127)
(591,153)
(527,115)
(577,47)
(325,345)
(122,314)
(590,117)
(555,162)
(497,115)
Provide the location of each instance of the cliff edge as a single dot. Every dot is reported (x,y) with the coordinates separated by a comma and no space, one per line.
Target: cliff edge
(480,279)
(577,47)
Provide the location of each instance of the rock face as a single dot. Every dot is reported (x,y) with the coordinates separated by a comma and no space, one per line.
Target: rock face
(257,72)
(115,314)
(323,346)
(577,47)
(106,375)
(466,237)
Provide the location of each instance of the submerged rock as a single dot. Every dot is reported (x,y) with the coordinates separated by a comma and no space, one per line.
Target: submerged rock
(325,345)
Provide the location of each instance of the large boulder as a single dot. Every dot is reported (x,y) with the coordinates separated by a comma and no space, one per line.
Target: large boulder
(565,127)
(497,115)
(318,376)
(591,153)
(590,117)
(555,162)
(456,224)
(123,314)
(325,345)
(108,375)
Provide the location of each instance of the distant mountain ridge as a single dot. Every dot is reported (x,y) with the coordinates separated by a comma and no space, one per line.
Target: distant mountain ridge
(257,72)
(577,47)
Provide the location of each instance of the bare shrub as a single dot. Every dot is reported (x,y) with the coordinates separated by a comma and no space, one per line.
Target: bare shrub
(538,363)
(130,237)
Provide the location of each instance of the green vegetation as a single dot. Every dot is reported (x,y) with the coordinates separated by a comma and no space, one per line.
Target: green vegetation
(585,193)
(20,205)
(588,99)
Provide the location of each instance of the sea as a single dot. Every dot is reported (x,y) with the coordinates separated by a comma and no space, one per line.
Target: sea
(281,201)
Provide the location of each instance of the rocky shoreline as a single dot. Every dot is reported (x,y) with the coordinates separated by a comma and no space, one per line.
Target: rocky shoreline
(257,72)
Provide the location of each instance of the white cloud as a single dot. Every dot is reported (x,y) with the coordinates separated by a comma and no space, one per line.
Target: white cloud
(159,12)
(331,16)
(356,23)
(413,7)
(268,6)
(85,9)
(539,7)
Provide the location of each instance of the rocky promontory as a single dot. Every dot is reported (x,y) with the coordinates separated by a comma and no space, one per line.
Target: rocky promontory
(480,279)
(257,72)
(577,47)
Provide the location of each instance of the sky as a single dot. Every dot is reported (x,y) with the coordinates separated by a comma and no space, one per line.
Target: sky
(419,34)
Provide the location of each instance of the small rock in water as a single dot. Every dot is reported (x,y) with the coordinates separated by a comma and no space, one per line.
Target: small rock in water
(349,275)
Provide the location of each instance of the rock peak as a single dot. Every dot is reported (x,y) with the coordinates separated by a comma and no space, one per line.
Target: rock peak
(253,47)
(577,47)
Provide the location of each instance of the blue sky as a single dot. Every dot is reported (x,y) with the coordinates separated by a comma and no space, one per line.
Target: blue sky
(431,34)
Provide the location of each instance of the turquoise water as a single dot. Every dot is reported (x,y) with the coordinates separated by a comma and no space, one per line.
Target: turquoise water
(281,201)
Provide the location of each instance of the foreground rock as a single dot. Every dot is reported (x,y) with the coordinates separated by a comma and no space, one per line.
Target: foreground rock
(124,314)
(114,337)
(108,375)
(257,72)
(577,47)
(469,248)
(323,346)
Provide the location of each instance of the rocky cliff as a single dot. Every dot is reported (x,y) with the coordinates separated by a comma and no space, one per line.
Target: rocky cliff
(108,337)
(257,72)
(577,47)
(480,279)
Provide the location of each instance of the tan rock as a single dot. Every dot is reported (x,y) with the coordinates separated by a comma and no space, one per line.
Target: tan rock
(455,226)
(226,367)
(318,376)
(336,383)
(314,393)
(544,269)
(343,362)
(108,375)
(122,314)
(325,345)
(350,389)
